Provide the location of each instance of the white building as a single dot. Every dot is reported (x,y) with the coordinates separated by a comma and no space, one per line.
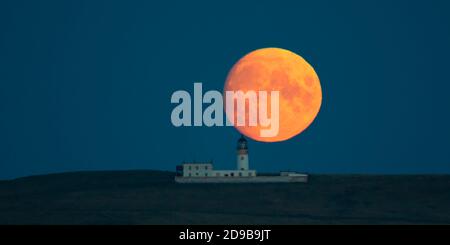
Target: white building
(205,169)
(203,172)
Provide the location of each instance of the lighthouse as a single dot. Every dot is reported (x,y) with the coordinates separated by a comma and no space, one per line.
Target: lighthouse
(242,154)
(204,172)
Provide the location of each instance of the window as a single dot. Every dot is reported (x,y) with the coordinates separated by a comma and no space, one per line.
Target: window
(196,167)
(206,167)
(190,167)
(232,174)
(206,175)
(242,157)
(240,174)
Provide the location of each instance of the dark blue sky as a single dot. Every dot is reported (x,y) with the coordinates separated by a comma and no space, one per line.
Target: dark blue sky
(86,84)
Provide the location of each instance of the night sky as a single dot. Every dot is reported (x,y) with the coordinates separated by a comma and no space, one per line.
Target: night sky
(86,85)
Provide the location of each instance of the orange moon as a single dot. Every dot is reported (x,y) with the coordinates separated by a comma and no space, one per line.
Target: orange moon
(276,69)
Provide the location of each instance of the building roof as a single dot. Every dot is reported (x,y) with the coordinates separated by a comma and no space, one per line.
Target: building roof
(242,139)
(196,163)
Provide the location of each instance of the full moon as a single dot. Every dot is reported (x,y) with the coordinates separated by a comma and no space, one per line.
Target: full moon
(276,69)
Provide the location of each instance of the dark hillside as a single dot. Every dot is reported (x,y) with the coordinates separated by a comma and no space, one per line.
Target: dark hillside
(151,197)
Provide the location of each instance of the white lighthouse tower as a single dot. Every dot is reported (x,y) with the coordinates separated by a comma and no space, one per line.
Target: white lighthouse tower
(203,172)
(242,154)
